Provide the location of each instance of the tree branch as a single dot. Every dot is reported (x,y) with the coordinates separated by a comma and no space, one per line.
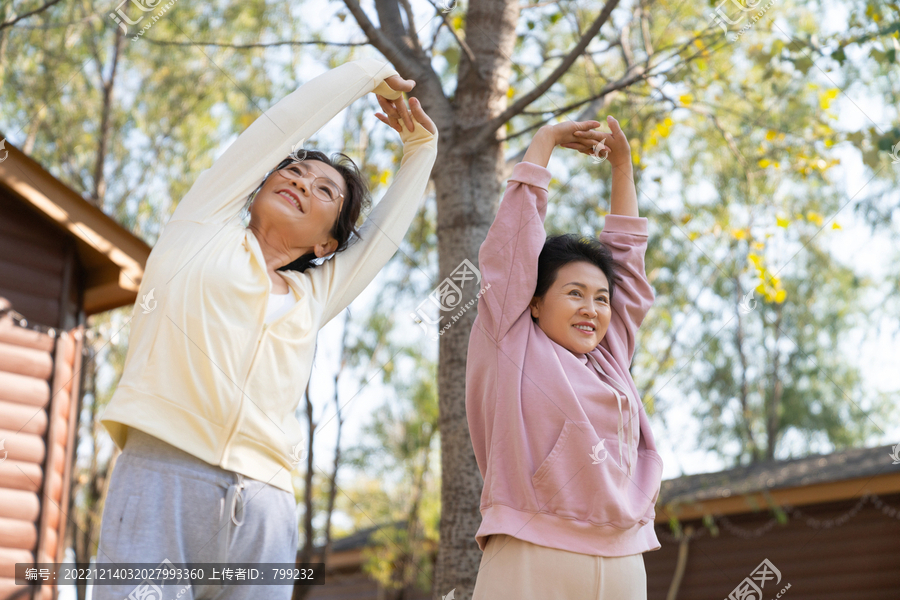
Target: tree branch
(413,34)
(407,67)
(256,45)
(612,87)
(15,20)
(519,105)
(410,65)
(462,43)
(644,16)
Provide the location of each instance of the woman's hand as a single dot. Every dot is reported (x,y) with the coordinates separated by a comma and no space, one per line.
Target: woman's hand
(561,134)
(564,134)
(396,110)
(398,84)
(613,146)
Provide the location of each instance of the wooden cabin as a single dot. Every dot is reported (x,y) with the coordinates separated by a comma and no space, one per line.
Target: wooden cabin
(61,261)
(828,524)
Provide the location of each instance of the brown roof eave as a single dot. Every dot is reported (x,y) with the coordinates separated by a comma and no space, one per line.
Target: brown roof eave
(730,503)
(113,257)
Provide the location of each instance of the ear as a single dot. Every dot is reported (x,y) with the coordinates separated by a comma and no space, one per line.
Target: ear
(326,248)
(535,309)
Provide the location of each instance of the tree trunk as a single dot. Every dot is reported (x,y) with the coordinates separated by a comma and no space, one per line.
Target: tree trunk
(744,392)
(773,414)
(405,571)
(106,85)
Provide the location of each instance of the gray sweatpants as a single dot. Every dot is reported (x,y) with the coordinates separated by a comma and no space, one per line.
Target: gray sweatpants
(164,503)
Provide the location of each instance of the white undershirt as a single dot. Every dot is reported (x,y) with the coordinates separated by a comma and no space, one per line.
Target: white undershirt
(278,305)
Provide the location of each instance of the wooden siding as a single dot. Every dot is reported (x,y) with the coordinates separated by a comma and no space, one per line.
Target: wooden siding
(856,558)
(39,392)
(35,265)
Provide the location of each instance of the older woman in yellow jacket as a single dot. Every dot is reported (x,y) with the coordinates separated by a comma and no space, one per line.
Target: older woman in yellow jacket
(223,337)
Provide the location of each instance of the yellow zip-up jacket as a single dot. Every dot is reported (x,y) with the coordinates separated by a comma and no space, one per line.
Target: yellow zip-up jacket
(203,371)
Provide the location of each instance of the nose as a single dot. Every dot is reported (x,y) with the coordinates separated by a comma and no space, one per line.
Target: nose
(301,184)
(588,309)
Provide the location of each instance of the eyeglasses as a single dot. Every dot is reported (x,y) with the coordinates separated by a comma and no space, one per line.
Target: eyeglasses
(322,188)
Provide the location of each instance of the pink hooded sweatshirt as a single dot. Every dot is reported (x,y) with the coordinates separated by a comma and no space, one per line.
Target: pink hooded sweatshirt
(561,439)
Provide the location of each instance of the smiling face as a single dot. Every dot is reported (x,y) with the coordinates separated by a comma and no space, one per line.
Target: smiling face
(296,214)
(575,311)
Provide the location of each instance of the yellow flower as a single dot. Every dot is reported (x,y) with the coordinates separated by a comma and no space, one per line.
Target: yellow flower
(814,217)
(782,222)
(836,226)
(825,98)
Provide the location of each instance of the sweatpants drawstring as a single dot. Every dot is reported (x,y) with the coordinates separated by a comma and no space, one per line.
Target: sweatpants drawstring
(233,496)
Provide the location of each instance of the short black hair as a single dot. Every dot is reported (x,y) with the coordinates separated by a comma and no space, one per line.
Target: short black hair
(561,250)
(356,199)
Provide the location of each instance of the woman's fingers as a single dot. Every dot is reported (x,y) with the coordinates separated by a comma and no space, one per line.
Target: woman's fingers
(385,104)
(397,83)
(584,137)
(396,111)
(406,115)
(392,123)
(583,150)
(584,125)
(614,125)
(419,113)
(596,136)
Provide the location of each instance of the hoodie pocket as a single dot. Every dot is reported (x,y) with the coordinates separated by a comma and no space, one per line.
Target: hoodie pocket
(579,480)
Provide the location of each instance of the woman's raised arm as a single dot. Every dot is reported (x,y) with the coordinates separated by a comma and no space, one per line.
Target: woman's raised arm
(509,255)
(625,234)
(337,281)
(220,191)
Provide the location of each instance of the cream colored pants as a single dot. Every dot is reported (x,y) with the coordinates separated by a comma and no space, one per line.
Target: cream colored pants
(512,569)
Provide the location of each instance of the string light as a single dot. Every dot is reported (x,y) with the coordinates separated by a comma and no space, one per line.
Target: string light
(810,521)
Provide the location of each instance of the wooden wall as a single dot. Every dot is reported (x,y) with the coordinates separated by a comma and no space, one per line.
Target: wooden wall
(39,390)
(857,557)
(39,387)
(37,266)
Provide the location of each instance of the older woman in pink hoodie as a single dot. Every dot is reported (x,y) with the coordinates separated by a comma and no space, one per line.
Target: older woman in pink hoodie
(571,472)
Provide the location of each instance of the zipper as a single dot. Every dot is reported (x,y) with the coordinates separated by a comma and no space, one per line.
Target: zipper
(237,421)
(255,249)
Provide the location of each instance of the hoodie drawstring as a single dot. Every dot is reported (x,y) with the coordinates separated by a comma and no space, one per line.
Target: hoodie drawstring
(628,402)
